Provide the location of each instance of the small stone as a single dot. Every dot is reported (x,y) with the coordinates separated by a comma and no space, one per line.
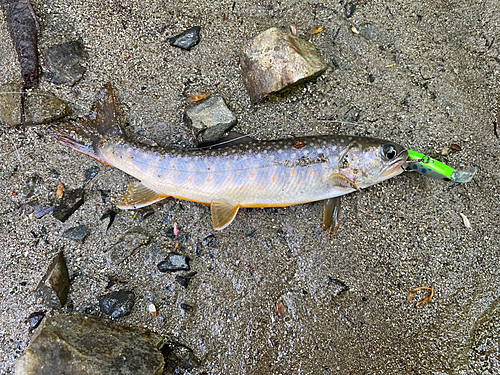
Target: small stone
(209,120)
(77,234)
(349,9)
(40,107)
(82,344)
(174,262)
(34,319)
(187,307)
(53,289)
(187,39)
(336,287)
(41,211)
(90,173)
(66,62)
(117,304)
(178,357)
(126,246)
(274,61)
(184,280)
(71,201)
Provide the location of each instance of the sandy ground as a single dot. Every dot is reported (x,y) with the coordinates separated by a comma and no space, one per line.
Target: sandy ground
(421,73)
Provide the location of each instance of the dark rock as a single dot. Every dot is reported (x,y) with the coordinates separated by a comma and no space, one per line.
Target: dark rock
(209,120)
(187,39)
(178,356)
(66,62)
(40,107)
(126,246)
(70,202)
(117,304)
(187,307)
(274,61)
(90,173)
(54,174)
(349,9)
(34,319)
(174,262)
(89,345)
(144,213)
(41,211)
(184,280)
(77,234)
(210,240)
(111,214)
(54,286)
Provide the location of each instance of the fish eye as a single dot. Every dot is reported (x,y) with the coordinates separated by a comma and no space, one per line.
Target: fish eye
(389,151)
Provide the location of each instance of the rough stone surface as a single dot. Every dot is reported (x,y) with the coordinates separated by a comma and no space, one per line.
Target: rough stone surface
(70,202)
(126,246)
(40,107)
(53,289)
(274,61)
(77,233)
(66,62)
(89,345)
(209,120)
(178,357)
(117,304)
(174,262)
(186,40)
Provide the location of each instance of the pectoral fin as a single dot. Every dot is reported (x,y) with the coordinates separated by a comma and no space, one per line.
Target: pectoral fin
(339,180)
(139,195)
(331,215)
(223,213)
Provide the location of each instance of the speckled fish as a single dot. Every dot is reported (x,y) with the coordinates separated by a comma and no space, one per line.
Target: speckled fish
(257,174)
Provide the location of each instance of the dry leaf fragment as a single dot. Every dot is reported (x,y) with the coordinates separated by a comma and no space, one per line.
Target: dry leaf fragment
(426,299)
(293,30)
(197,98)
(456,147)
(152,309)
(466,220)
(317,29)
(354,29)
(280,308)
(60,191)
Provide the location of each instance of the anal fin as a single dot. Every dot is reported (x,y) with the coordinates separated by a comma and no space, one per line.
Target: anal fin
(223,213)
(138,195)
(331,215)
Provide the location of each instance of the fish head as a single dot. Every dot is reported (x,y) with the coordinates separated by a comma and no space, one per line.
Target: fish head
(368,161)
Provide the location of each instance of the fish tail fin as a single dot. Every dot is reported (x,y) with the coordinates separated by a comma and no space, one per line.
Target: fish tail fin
(88,135)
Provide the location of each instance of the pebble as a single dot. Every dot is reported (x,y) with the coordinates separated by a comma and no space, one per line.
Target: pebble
(77,234)
(70,202)
(90,173)
(34,319)
(184,280)
(83,344)
(41,211)
(53,289)
(186,40)
(40,107)
(349,9)
(117,304)
(174,262)
(336,287)
(209,120)
(275,60)
(66,62)
(126,246)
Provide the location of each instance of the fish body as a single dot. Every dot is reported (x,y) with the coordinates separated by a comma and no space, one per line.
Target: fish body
(258,174)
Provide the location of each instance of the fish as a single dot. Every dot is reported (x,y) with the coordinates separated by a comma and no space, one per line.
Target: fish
(267,173)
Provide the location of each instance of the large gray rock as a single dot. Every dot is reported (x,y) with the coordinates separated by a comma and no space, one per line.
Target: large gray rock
(40,107)
(66,62)
(53,289)
(210,120)
(274,61)
(81,344)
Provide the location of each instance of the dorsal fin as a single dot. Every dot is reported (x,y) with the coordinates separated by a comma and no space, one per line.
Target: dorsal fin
(138,195)
(223,213)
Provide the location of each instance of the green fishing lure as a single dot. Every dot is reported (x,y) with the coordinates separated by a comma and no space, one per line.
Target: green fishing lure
(435,169)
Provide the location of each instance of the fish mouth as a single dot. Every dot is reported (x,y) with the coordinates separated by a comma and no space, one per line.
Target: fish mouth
(396,166)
